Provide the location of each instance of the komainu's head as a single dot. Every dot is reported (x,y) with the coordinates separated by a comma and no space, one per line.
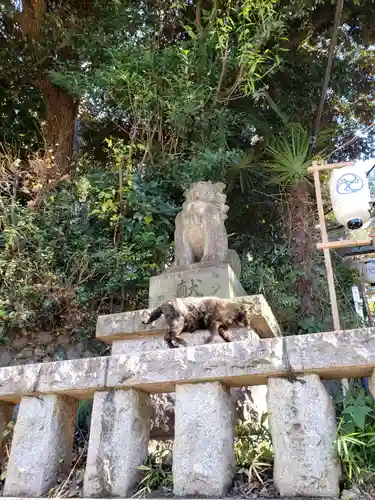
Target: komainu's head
(208,192)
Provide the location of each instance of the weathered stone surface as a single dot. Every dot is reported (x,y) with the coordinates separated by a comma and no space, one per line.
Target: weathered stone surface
(263,321)
(194,364)
(19,379)
(332,355)
(200,234)
(42,445)
(371,384)
(252,399)
(203,449)
(216,281)
(118,443)
(156,342)
(73,376)
(128,325)
(70,377)
(162,416)
(6,413)
(303,427)
(245,401)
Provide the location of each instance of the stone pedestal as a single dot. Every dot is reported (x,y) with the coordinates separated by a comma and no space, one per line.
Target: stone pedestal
(199,281)
(203,450)
(42,445)
(118,444)
(371,384)
(303,428)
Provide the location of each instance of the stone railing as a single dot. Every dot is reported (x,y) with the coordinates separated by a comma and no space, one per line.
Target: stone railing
(302,418)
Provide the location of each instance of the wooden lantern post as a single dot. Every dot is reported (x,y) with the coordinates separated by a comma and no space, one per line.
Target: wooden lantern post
(325,244)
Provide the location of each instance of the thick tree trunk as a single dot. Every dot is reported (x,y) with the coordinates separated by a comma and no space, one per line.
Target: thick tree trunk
(61,108)
(58,130)
(301,229)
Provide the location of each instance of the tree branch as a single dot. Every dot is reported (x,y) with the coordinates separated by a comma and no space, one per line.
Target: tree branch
(223,73)
(198,14)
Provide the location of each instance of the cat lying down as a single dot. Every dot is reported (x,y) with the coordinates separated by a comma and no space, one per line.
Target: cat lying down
(185,315)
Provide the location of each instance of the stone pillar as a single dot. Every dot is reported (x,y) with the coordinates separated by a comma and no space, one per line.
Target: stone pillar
(371,384)
(6,412)
(118,445)
(303,428)
(42,445)
(203,449)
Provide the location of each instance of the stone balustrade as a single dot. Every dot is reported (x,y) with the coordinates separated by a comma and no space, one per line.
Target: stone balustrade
(302,419)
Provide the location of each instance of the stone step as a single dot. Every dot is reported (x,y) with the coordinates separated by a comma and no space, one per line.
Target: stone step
(128,325)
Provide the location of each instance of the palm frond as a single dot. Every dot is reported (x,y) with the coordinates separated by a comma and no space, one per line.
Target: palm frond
(283,116)
(239,173)
(289,156)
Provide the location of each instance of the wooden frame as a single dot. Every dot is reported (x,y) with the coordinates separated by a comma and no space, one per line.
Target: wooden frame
(327,245)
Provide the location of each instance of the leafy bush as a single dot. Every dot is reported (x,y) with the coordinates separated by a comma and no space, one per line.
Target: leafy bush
(253,447)
(356,436)
(157,471)
(90,248)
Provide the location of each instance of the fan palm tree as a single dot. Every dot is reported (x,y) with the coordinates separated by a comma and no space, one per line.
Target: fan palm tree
(288,160)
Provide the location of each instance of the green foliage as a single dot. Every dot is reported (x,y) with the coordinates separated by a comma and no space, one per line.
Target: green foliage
(268,268)
(84,413)
(356,437)
(157,471)
(168,95)
(289,156)
(62,265)
(253,448)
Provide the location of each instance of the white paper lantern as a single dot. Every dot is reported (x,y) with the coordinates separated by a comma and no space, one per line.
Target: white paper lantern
(368,272)
(350,196)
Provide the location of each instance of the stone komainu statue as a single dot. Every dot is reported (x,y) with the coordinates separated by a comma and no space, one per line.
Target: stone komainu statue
(200,234)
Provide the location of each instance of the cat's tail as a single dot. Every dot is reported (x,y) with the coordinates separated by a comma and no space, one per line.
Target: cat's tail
(155,314)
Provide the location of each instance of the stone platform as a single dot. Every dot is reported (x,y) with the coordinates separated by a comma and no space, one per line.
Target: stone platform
(128,328)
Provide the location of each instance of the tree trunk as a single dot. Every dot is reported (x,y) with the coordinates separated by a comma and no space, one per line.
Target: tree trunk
(61,108)
(301,209)
(58,130)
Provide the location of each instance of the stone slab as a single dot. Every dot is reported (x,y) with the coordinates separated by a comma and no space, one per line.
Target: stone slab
(216,281)
(156,342)
(302,421)
(79,378)
(118,444)
(20,379)
(41,446)
(128,325)
(331,355)
(203,447)
(88,374)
